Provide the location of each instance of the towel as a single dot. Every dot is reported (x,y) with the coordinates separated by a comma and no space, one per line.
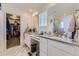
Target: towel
(72,25)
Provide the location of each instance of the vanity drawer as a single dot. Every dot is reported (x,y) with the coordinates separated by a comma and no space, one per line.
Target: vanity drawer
(62,46)
(53,51)
(43,54)
(43,44)
(76,51)
(27,40)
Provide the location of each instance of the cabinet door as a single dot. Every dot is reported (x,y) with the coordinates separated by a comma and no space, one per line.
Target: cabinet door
(43,46)
(76,51)
(57,49)
(53,51)
(28,40)
(43,53)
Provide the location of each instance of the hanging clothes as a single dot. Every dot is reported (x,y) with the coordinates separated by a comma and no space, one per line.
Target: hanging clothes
(8,27)
(77,28)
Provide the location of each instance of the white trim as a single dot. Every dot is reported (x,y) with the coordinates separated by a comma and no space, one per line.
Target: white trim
(5,31)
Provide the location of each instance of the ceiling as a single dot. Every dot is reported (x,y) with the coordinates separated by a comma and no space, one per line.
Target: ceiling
(27,7)
(56,8)
(63,8)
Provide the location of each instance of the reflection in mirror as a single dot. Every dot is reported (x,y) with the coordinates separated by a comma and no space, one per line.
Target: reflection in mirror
(64,25)
(53,24)
(60,26)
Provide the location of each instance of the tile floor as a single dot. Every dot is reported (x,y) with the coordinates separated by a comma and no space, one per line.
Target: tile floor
(14,41)
(16,51)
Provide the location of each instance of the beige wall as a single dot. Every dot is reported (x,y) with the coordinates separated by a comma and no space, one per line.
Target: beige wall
(26,18)
(5,9)
(32,21)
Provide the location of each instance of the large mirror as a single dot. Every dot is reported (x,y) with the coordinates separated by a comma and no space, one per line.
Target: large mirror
(60,26)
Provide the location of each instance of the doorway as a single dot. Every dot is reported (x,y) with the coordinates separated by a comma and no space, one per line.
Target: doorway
(12,30)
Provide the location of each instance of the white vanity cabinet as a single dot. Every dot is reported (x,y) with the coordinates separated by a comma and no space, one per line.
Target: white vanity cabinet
(43,47)
(76,51)
(59,49)
(64,49)
(51,47)
(27,40)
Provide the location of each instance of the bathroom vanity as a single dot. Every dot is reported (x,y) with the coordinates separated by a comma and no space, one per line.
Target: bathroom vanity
(57,47)
(53,46)
(32,41)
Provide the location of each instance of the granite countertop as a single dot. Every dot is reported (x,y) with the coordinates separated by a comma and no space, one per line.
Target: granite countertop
(62,40)
(34,36)
(54,38)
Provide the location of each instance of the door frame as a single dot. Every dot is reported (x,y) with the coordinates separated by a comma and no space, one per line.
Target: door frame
(5,30)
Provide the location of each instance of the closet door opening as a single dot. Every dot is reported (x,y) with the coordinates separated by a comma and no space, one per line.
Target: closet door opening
(12,30)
